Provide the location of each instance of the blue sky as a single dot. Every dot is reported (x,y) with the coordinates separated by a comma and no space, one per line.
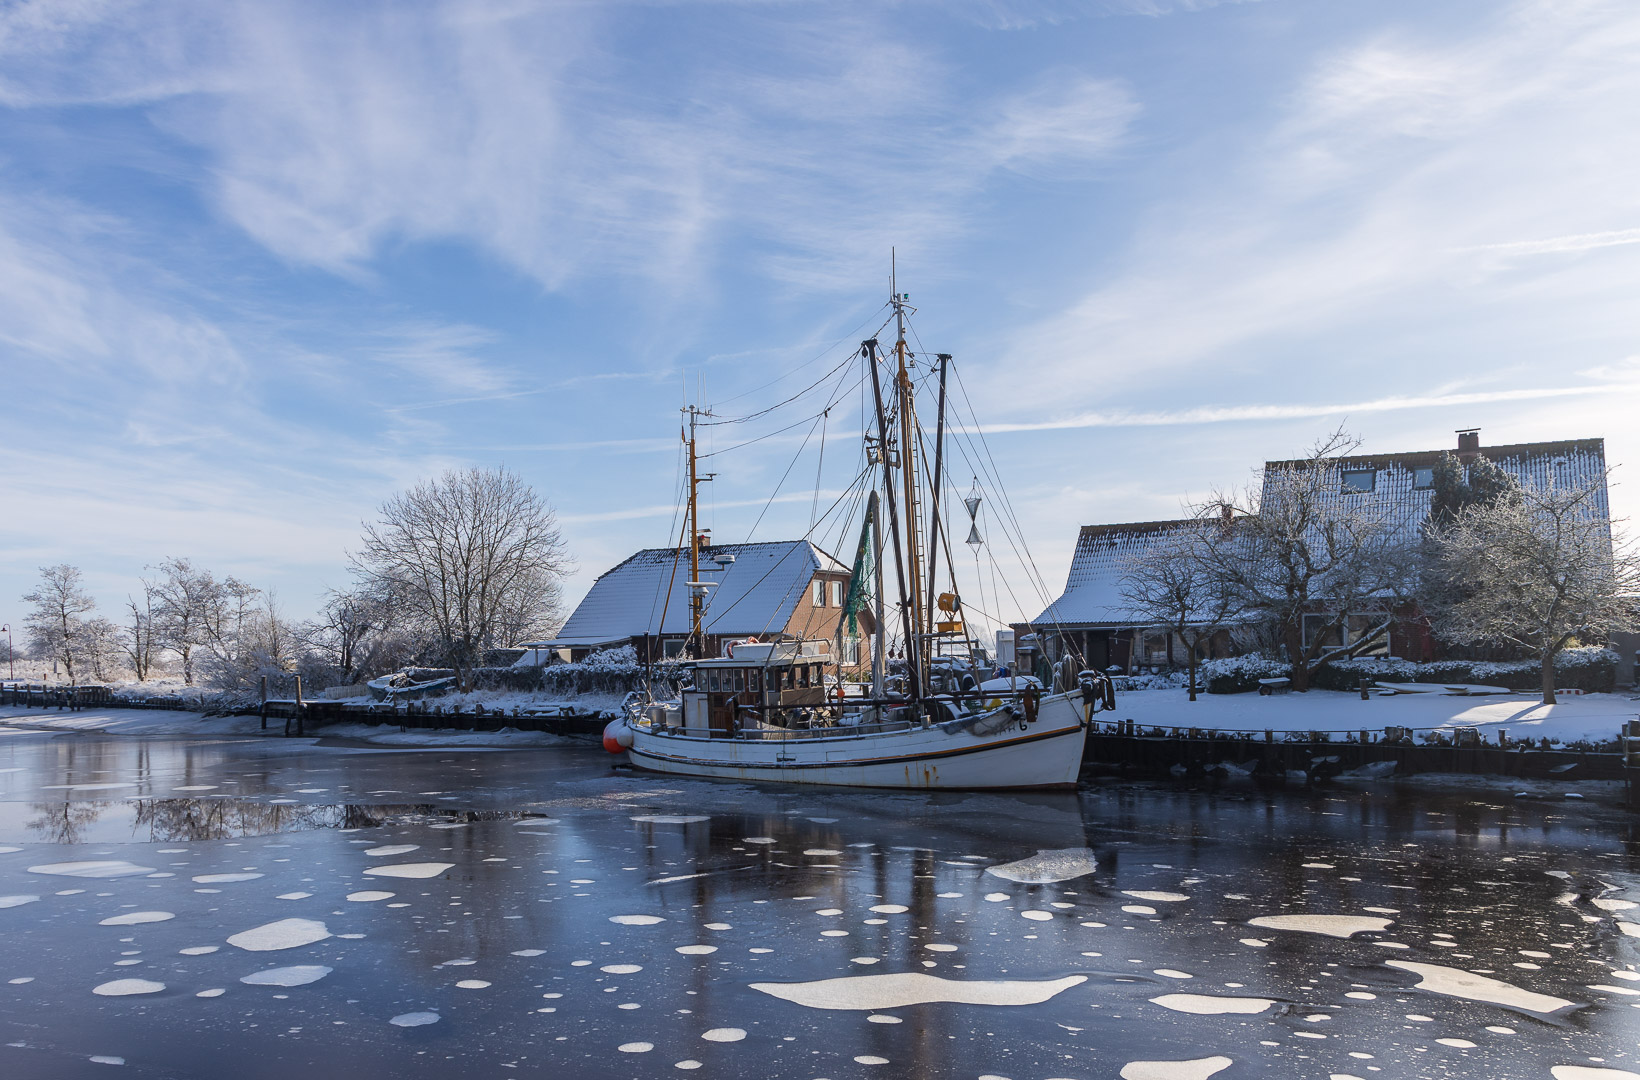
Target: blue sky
(263,264)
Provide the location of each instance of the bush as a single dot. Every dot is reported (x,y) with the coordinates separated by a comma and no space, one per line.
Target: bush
(1592,668)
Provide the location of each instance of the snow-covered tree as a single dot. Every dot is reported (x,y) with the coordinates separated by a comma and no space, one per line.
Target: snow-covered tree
(56,623)
(1536,568)
(474,557)
(1174,584)
(1297,548)
(140,636)
(185,596)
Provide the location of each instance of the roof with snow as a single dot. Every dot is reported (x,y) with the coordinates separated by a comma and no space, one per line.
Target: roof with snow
(755,594)
(1398,486)
(1093,592)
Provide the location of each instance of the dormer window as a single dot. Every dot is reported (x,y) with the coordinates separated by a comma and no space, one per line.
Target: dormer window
(1358,481)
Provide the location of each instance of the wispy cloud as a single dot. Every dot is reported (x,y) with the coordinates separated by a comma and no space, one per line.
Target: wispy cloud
(1558,244)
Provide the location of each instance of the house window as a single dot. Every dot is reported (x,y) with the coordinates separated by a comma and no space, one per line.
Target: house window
(1316,626)
(673,647)
(819,594)
(1423,479)
(1359,481)
(837,594)
(851,650)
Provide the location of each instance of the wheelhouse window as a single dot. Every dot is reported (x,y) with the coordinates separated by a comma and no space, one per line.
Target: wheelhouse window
(1359,481)
(712,681)
(819,593)
(1423,479)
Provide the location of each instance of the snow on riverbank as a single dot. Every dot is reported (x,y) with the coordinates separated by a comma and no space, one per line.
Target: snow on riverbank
(169,722)
(1591,716)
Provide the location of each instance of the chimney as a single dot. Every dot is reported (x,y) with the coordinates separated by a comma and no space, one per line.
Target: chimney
(1469,444)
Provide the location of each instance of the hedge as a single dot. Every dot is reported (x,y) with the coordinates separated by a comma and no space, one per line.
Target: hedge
(1592,668)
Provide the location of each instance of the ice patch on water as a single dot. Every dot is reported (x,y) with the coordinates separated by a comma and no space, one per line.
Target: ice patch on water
(724,1035)
(1626,991)
(107,1059)
(1453,982)
(473,984)
(297,975)
(686,1063)
(1194,1069)
(127,987)
(1172,973)
(890,909)
(1339,926)
(636,1047)
(1046,866)
(392,849)
(99,868)
(636,920)
(1254,943)
(696,950)
(997,897)
(369,896)
(214,993)
(16,901)
(874,993)
(1158,897)
(410,870)
(1319,866)
(870,1059)
(940,947)
(621,969)
(7,849)
(1209,1005)
(1036,916)
(293,896)
(1605,903)
(199,950)
(414,1019)
(137,918)
(529,952)
(222,879)
(718,926)
(1138,909)
(821,852)
(1589,1072)
(671,819)
(283,934)
(1460,1044)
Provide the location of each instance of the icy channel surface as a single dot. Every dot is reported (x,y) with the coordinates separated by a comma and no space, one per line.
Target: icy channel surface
(1208,1005)
(1589,1072)
(414,1019)
(410,870)
(296,975)
(1339,926)
(878,992)
(671,819)
(98,868)
(137,918)
(1194,1069)
(636,920)
(1454,982)
(1047,865)
(17,901)
(283,934)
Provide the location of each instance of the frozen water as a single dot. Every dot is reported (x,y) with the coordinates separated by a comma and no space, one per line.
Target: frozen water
(1589,1072)
(199,950)
(128,987)
(283,934)
(696,950)
(410,870)
(222,879)
(414,1019)
(878,992)
(636,920)
(369,896)
(99,868)
(1339,926)
(297,975)
(1193,1069)
(1212,1005)
(671,819)
(1158,897)
(1046,866)
(1454,982)
(16,901)
(136,918)
(724,1034)
(636,1047)
(1036,916)
(392,849)
(621,969)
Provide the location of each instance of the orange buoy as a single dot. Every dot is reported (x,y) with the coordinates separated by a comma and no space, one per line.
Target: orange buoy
(617,737)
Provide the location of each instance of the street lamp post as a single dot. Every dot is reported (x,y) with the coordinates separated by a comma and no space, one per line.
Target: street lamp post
(11,656)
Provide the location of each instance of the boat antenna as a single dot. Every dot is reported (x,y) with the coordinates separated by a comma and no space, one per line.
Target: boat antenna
(697,587)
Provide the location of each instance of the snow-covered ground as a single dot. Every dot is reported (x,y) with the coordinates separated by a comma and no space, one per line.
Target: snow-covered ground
(168,722)
(1591,716)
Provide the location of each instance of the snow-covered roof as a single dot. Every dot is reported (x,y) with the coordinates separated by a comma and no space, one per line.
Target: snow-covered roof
(1093,588)
(1394,484)
(755,594)
(1093,591)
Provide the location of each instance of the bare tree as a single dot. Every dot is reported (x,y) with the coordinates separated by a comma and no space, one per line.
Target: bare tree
(355,634)
(100,648)
(1303,548)
(140,634)
(1536,568)
(1175,585)
(470,556)
(56,625)
(185,597)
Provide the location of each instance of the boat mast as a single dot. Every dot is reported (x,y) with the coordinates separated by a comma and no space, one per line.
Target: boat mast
(697,587)
(909,627)
(917,622)
(934,496)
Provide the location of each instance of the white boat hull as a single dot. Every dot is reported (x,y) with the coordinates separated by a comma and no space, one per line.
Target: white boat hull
(1045,753)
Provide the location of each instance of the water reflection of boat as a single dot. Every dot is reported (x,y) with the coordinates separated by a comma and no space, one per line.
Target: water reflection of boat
(932,717)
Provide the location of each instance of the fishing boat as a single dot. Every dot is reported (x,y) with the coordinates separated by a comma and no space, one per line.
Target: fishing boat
(934,714)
